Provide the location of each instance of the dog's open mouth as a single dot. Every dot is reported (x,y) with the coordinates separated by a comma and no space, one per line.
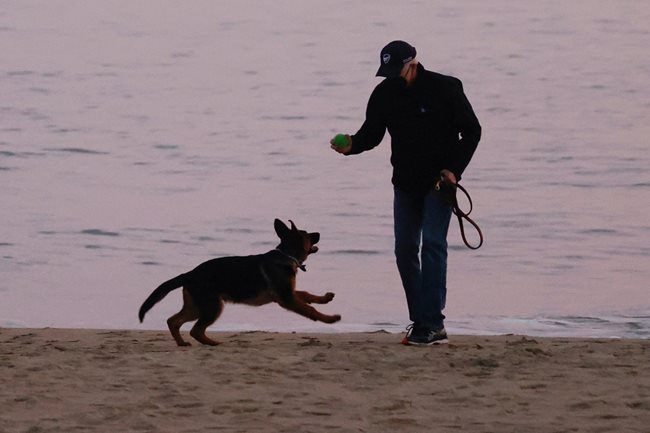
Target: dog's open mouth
(314,249)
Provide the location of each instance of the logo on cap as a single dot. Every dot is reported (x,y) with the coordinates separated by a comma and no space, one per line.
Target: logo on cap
(386,58)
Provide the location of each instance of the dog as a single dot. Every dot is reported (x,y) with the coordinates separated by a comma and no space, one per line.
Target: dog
(252,280)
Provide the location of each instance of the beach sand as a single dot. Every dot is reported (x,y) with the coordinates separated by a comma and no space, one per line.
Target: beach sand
(67,380)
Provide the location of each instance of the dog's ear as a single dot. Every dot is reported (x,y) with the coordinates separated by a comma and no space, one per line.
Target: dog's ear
(314,238)
(280,228)
(293,226)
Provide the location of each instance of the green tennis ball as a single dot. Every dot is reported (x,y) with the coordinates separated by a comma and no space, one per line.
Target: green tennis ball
(340,140)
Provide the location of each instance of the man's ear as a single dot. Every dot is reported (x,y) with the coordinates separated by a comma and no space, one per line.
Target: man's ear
(314,238)
(280,228)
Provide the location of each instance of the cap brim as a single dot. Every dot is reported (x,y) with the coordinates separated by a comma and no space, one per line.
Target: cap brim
(388,71)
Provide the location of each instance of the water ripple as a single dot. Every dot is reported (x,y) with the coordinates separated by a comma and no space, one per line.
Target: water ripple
(99,232)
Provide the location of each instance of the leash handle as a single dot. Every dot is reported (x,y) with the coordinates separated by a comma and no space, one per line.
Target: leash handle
(471,205)
(460,214)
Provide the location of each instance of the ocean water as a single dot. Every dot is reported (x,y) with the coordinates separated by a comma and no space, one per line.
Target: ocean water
(138,139)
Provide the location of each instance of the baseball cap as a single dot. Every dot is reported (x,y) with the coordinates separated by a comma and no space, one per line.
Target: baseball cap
(393,57)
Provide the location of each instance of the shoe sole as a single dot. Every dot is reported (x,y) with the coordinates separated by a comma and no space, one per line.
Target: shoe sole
(405,342)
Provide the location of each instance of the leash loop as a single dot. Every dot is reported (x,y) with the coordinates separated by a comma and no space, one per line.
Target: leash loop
(449,193)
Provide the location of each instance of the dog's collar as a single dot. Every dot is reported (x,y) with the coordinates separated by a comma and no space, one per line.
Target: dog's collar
(300,266)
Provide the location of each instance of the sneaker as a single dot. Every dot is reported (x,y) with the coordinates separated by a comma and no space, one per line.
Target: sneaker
(417,336)
(409,331)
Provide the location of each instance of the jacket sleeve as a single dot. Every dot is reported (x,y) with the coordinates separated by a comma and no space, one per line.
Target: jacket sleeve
(469,130)
(374,127)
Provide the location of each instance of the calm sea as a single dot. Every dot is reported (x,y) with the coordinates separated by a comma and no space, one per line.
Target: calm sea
(138,139)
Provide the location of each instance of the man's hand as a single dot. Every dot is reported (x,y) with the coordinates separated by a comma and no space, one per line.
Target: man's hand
(342,143)
(448,177)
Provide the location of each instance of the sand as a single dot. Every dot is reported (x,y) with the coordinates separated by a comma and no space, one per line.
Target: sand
(64,380)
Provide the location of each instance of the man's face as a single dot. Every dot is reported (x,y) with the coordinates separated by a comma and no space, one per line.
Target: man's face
(408,72)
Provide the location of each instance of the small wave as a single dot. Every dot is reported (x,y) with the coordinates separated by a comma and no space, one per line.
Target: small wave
(182,54)
(333,83)
(166,146)
(40,90)
(598,231)
(79,150)
(615,326)
(386,324)
(11,323)
(283,117)
(99,232)
(205,239)
(355,252)
(22,73)
(583,319)
(239,230)
(12,154)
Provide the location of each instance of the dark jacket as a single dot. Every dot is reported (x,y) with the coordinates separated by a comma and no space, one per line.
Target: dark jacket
(431,124)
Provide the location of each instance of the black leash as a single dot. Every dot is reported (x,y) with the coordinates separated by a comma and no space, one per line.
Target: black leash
(448,192)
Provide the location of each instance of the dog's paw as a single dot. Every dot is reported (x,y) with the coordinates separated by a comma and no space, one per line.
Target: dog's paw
(327,297)
(335,318)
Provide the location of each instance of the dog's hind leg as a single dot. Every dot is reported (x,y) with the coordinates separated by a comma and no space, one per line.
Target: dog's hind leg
(314,299)
(210,312)
(188,313)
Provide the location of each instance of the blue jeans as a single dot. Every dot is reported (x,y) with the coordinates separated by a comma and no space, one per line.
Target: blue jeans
(422,220)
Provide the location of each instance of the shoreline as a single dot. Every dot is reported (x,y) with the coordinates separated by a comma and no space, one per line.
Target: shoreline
(125,380)
(580,327)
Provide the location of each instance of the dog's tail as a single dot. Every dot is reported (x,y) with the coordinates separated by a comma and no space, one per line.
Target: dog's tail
(160,292)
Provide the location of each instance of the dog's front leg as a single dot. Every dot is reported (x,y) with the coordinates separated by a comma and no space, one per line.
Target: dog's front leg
(314,299)
(298,306)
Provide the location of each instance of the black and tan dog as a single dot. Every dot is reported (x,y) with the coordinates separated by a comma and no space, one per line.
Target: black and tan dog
(253,280)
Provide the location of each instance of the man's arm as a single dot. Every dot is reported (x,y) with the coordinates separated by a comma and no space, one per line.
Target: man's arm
(469,131)
(374,127)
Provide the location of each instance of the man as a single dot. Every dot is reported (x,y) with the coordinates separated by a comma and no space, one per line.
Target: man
(434,133)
